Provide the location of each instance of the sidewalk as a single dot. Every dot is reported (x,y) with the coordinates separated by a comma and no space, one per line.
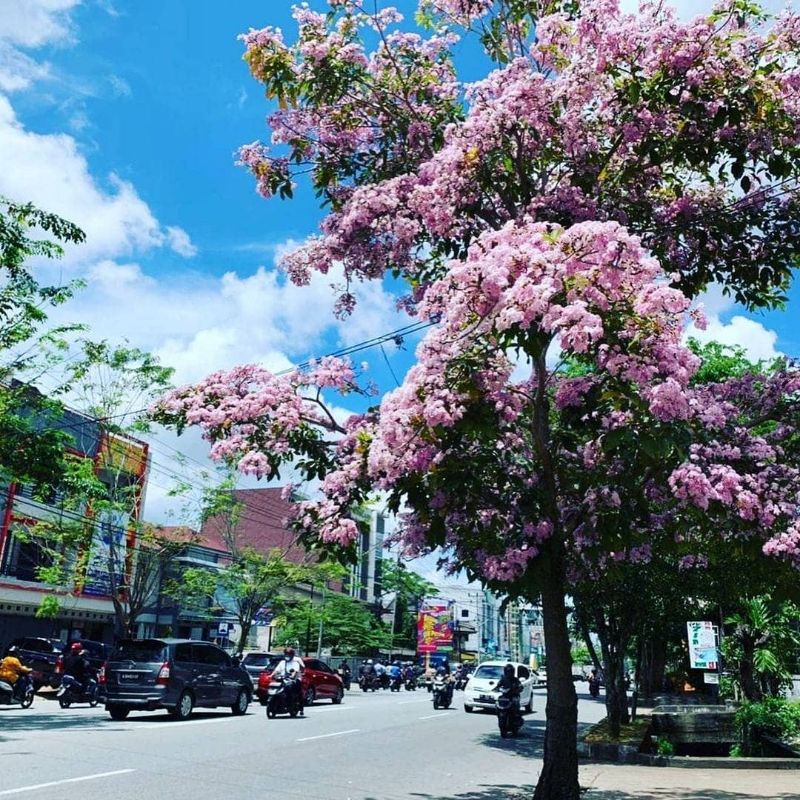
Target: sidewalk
(622,782)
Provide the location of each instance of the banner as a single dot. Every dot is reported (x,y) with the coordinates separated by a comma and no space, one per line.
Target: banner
(434,627)
(108,551)
(702,645)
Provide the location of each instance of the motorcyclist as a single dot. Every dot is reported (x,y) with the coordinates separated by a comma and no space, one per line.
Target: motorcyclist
(77,666)
(442,675)
(12,669)
(344,672)
(368,675)
(292,666)
(512,685)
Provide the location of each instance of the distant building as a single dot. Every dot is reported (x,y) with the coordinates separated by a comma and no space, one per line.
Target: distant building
(86,609)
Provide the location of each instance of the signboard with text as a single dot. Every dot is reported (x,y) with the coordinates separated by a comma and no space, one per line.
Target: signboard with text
(434,627)
(703,652)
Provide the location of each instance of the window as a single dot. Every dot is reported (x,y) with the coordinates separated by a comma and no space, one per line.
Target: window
(323,667)
(208,654)
(147,651)
(183,653)
(523,673)
(312,663)
(489,672)
(464,613)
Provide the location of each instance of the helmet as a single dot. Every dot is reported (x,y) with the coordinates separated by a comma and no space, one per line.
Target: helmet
(369,661)
(75,648)
(508,670)
(440,671)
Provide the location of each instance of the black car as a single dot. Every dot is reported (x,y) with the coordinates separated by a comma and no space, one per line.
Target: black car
(175,674)
(96,654)
(40,655)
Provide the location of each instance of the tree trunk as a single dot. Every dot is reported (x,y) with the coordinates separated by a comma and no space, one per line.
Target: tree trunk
(654,659)
(559,776)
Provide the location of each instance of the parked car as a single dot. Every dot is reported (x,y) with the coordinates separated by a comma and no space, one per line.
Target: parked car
(174,674)
(40,655)
(255,663)
(480,693)
(96,655)
(541,676)
(319,682)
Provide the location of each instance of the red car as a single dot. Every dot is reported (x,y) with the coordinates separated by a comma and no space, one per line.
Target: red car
(319,682)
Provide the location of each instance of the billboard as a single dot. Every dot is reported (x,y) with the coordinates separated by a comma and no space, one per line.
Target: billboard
(702,645)
(434,627)
(107,552)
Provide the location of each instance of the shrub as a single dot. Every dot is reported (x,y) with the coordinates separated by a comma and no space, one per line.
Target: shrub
(773,716)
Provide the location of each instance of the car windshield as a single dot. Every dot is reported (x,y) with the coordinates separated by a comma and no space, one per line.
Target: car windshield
(258,660)
(489,672)
(146,650)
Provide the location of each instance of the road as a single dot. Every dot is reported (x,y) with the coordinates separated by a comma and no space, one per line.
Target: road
(379,746)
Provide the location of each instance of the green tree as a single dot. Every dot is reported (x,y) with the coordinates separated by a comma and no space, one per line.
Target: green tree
(348,625)
(408,588)
(31,446)
(763,646)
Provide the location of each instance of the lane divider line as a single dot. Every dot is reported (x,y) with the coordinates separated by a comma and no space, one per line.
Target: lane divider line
(328,735)
(47,785)
(431,716)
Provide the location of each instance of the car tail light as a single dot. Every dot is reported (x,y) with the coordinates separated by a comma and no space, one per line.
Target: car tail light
(60,665)
(163,674)
(264,680)
(101,674)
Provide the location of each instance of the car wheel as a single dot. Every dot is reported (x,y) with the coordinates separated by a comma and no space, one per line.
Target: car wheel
(338,697)
(240,706)
(468,709)
(184,706)
(118,713)
(310,696)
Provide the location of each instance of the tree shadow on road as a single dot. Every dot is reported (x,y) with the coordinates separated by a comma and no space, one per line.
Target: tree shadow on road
(673,793)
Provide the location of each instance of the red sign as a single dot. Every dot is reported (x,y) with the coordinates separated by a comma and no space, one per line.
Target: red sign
(434,628)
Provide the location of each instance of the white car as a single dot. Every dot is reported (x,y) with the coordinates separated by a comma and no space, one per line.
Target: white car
(480,692)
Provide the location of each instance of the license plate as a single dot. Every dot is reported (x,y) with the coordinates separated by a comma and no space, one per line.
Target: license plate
(485,698)
(128,676)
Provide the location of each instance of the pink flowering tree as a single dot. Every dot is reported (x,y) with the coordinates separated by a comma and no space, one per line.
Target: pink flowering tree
(565,207)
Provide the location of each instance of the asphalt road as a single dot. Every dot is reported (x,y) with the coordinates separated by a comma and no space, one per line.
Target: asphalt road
(379,746)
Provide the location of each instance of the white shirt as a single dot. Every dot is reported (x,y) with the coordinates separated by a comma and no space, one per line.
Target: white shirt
(285,666)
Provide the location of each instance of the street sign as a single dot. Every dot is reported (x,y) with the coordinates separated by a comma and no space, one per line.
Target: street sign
(711,677)
(703,652)
(222,629)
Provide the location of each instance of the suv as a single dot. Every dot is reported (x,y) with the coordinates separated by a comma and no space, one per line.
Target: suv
(176,674)
(96,655)
(256,663)
(318,680)
(40,655)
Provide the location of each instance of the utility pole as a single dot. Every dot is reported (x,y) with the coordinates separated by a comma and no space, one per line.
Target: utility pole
(321,612)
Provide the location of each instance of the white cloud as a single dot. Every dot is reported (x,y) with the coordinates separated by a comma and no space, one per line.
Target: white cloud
(30,24)
(51,171)
(180,242)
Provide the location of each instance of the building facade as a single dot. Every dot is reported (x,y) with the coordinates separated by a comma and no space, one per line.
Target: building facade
(84,608)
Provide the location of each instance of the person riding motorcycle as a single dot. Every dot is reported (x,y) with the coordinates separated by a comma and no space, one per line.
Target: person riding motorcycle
(77,665)
(12,669)
(442,675)
(512,685)
(368,674)
(292,666)
(344,673)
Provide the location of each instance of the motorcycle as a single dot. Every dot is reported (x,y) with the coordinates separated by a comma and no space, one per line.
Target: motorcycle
(397,683)
(594,687)
(461,682)
(411,683)
(442,692)
(344,674)
(20,694)
(369,682)
(283,698)
(73,691)
(509,718)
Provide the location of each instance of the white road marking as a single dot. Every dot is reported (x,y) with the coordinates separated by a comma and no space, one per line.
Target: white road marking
(171,724)
(36,786)
(409,702)
(328,735)
(431,716)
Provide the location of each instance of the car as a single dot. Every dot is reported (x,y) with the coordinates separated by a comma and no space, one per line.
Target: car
(256,662)
(41,655)
(173,674)
(96,655)
(318,680)
(479,691)
(541,676)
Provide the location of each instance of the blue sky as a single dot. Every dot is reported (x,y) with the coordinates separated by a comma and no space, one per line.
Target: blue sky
(124,116)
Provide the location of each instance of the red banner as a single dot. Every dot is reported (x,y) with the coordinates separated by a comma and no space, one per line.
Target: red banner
(434,628)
